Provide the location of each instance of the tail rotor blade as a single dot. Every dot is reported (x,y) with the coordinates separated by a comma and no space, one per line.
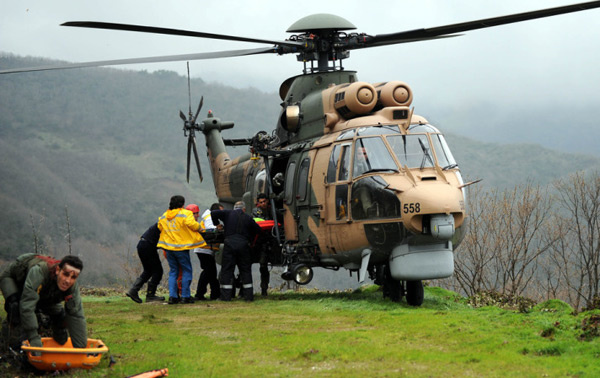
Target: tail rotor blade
(189,151)
(182,116)
(198,111)
(195,157)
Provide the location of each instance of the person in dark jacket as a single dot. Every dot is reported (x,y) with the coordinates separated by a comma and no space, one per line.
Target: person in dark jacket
(153,270)
(36,283)
(262,212)
(240,231)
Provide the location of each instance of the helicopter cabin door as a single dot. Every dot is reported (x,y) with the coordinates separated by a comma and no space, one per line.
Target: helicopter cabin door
(337,182)
(290,223)
(298,202)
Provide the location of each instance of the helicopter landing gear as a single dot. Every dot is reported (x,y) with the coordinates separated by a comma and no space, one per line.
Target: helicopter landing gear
(414,293)
(300,273)
(392,288)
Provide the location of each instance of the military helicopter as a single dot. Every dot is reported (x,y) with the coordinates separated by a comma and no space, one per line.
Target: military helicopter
(356,179)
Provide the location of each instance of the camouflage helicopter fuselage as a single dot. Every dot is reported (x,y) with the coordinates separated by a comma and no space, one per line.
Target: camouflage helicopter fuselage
(365,181)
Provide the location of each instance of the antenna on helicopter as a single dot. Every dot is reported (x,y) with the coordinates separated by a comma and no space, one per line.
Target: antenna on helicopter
(189,128)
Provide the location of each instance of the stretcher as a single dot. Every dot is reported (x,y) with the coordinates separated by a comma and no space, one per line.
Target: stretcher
(64,357)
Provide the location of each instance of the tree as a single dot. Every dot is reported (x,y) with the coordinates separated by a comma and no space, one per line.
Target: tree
(578,254)
(508,234)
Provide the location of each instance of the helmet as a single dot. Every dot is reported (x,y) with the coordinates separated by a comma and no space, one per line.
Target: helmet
(193,208)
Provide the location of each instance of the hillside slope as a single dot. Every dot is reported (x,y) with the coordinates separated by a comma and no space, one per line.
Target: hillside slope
(104,149)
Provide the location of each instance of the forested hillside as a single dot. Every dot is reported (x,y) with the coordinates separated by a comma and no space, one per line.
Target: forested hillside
(94,155)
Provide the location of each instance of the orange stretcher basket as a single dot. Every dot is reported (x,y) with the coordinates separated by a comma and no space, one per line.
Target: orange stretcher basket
(64,357)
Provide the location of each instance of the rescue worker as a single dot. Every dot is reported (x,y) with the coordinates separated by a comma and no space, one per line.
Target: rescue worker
(260,213)
(178,234)
(35,283)
(206,255)
(262,207)
(153,270)
(240,230)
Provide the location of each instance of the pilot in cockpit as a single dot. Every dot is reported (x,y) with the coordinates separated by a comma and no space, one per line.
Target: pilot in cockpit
(361,161)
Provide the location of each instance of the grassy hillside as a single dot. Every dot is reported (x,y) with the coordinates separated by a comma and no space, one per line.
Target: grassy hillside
(355,334)
(95,154)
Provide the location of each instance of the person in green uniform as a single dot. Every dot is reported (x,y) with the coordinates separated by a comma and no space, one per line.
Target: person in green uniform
(40,284)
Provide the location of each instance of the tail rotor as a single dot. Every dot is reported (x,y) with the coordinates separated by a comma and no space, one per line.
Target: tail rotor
(189,130)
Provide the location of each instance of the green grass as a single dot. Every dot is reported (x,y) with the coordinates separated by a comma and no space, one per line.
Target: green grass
(338,334)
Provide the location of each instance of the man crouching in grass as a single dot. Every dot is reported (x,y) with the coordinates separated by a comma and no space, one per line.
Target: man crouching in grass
(38,285)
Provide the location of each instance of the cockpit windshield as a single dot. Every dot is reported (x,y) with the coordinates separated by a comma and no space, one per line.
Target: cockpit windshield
(413,151)
(371,155)
(419,149)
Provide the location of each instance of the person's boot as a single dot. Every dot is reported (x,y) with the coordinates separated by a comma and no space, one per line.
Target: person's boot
(226,294)
(151,295)
(247,293)
(133,292)
(215,292)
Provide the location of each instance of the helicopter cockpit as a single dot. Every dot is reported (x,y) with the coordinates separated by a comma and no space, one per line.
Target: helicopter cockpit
(366,155)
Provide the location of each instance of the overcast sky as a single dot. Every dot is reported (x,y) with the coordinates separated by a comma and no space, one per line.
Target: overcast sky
(553,59)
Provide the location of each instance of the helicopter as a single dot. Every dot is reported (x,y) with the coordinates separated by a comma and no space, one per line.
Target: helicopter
(356,179)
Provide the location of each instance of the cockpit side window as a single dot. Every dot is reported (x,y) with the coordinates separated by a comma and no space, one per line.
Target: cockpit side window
(442,151)
(344,163)
(333,160)
(340,156)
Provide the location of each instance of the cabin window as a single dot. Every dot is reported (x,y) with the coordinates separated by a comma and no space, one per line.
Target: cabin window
(371,155)
(303,179)
(341,202)
(372,200)
(412,151)
(289,183)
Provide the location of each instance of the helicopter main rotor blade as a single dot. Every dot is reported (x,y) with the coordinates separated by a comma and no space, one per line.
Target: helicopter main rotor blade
(154,59)
(432,33)
(168,31)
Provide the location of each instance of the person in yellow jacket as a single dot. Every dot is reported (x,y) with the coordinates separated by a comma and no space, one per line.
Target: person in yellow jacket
(179,234)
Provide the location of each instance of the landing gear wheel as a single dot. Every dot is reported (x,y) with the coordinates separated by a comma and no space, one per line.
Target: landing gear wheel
(414,293)
(392,288)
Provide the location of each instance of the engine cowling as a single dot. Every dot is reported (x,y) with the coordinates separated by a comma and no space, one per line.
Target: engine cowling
(393,93)
(354,99)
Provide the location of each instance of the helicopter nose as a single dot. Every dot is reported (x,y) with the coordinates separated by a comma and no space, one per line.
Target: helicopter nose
(433,208)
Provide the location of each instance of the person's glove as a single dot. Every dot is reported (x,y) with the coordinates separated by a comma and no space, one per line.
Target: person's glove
(60,335)
(36,341)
